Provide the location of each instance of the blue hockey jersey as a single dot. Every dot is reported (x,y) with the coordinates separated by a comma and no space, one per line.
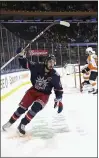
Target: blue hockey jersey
(42,81)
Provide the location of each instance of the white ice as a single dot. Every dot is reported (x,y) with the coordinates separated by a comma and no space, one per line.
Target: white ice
(72,133)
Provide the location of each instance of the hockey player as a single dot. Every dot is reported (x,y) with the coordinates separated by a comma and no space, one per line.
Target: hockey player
(43,79)
(92,61)
(86,75)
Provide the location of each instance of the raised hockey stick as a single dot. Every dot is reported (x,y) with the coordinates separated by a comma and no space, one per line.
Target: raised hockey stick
(64,23)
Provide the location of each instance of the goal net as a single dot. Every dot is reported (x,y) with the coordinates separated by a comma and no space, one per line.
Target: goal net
(71,69)
(71,76)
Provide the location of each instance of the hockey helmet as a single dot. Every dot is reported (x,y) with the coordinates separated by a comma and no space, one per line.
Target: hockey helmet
(89,50)
(50,57)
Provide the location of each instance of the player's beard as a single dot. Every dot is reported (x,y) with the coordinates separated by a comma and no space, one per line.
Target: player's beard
(49,68)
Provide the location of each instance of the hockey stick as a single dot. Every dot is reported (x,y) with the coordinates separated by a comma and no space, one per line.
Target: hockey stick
(64,23)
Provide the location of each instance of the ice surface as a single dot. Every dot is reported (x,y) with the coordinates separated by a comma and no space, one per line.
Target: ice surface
(72,133)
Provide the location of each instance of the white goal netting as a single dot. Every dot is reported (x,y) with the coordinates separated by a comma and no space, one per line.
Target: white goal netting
(71,69)
(70,76)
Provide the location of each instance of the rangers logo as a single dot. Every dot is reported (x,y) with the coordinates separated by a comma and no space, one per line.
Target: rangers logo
(41,83)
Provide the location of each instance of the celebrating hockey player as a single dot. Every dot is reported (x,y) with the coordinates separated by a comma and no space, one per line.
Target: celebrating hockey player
(43,78)
(92,61)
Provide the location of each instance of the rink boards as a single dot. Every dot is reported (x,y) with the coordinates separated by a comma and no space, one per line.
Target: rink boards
(12,82)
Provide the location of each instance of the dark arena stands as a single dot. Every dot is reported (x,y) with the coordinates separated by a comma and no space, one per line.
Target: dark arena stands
(22,21)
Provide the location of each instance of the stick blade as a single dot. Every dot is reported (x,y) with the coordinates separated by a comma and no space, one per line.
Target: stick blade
(65,23)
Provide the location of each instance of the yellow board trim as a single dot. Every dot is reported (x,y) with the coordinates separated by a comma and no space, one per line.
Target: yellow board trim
(14,90)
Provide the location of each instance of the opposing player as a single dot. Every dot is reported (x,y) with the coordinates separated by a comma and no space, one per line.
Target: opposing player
(43,79)
(86,74)
(92,61)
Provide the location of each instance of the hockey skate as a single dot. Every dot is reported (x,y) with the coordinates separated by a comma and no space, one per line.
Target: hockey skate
(92,90)
(96,91)
(21,129)
(6,126)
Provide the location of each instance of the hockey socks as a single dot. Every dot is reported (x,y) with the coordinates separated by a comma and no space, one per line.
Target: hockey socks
(36,107)
(17,114)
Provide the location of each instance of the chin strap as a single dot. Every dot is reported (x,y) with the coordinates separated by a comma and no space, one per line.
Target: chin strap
(47,68)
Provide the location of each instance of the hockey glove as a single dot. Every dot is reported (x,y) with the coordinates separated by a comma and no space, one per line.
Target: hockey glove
(20,52)
(58,103)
